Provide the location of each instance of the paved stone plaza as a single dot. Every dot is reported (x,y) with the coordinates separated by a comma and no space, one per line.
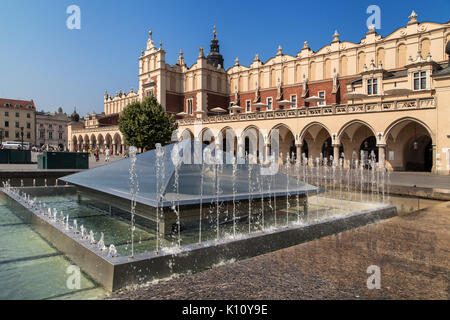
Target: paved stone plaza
(411,251)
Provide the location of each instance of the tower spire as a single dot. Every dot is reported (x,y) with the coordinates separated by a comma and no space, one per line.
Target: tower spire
(214,57)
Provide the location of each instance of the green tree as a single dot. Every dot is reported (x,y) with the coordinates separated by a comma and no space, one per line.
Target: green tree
(144,124)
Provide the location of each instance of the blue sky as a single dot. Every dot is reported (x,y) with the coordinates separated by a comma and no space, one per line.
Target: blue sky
(41,59)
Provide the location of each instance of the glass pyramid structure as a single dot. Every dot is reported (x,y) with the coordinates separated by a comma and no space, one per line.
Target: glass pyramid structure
(158,183)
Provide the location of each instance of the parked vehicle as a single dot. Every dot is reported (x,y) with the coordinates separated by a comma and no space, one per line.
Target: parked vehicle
(16,145)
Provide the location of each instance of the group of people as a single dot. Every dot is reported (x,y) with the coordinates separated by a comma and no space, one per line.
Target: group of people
(96,152)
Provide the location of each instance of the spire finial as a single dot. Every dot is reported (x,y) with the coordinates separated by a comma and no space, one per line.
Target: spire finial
(215,32)
(150,33)
(413,18)
(336,36)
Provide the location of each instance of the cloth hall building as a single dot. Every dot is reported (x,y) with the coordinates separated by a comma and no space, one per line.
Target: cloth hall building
(389,95)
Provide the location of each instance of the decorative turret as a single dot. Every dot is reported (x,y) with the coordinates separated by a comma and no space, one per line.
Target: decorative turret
(413,18)
(180,58)
(150,43)
(279,51)
(214,57)
(75,117)
(336,36)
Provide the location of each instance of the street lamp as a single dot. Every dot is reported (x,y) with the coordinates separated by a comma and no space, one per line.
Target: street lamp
(21,134)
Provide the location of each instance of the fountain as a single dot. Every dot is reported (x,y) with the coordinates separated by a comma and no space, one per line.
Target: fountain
(159,196)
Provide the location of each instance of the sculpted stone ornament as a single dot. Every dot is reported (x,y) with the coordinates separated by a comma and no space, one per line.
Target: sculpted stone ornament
(304,86)
(279,90)
(236,96)
(201,52)
(256,92)
(335,81)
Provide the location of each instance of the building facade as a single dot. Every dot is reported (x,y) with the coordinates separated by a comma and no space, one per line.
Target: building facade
(17,119)
(51,129)
(389,96)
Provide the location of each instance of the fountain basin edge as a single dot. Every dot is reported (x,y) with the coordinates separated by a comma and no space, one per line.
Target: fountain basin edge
(115,273)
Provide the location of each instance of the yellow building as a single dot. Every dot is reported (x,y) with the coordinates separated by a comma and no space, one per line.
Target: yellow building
(17,120)
(387,96)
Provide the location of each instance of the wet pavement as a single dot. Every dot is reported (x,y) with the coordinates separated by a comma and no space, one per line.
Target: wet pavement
(411,251)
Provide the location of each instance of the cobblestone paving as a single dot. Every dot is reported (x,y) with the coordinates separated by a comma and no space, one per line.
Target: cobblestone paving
(411,250)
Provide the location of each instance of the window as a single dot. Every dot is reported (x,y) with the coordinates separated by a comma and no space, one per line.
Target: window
(17,124)
(269,103)
(372,86)
(28,125)
(420,80)
(17,134)
(60,136)
(321,95)
(42,134)
(248,106)
(229,107)
(6,134)
(294,101)
(41,125)
(60,126)
(50,134)
(6,114)
(149,93)
(28,135)
(6,124)
(50,126)
(28,115)
(17,114)
(190,107)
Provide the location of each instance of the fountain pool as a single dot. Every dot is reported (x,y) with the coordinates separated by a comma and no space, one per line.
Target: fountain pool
(183,218)
(32,268)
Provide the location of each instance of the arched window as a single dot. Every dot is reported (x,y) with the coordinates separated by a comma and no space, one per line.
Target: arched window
(401,55)
(261,80)
(186,84)
(327,69)
(251,82)
(361,61)
(273,80)
(343,67)
(285,75)
(380,56)
(241,84)
(312,71)
(208,82)
(195,82)
(145,66)
(425,47)
(298,74)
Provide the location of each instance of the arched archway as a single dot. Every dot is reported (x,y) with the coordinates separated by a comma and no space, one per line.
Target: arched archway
(100,141)
(206,136)
(117,145)
(80,143)
(108,141)
(186,135)
(93,141)
(315,136)
(253,141)
(357,139)
(75,144)
(228,140)
(409,144)
(286,142)
(86,142)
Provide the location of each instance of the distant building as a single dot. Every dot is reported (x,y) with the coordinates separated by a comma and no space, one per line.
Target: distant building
(387,97)
(17,117)
(51,129)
